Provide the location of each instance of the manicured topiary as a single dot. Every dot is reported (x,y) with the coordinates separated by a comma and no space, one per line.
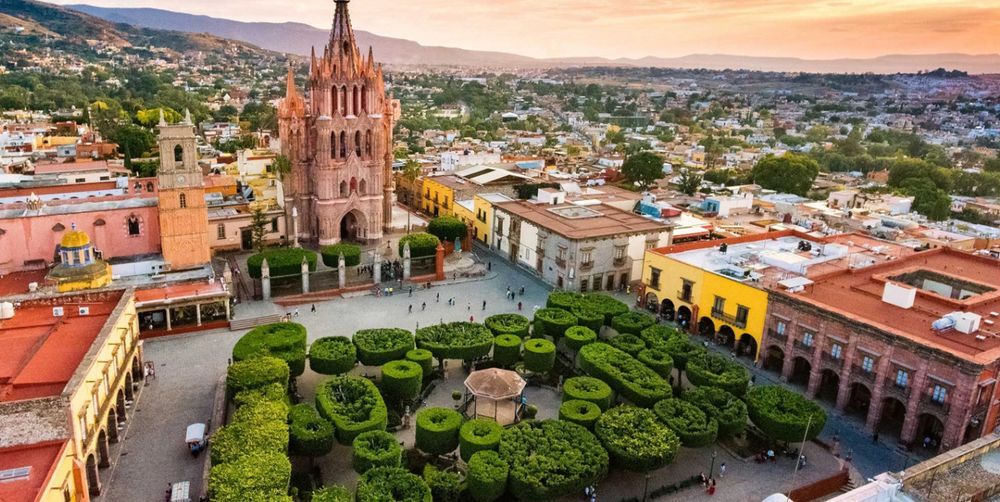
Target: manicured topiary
(508,324)
(565,300)
(658,360)
(457,340)
(446,486)
(421,244)
(437,430)
(626,375)
(269,392)
(578,336)
(635,439)
(379,346)
(692,425)
(256,373)
(552,323)
(282,340)
(579,412)
(256,427)
(447,228)
(334,355)
(375,449)
(682,349)
(353,404)
(401,380)
(632,322)
(506,350)
(550,459)
(487,476)
(478,435)
(727,409)
(333,493)
(310,435)
(657,335)
(331,255)
(604,304)
(590,389)
(384,484)
(628,343)
(784,415)
(261,476)
(539,355)
(422,357)
(589,318)
(282,262)
(718,371)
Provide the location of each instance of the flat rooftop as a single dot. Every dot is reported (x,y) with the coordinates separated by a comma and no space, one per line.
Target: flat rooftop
(31,465)
(583,222)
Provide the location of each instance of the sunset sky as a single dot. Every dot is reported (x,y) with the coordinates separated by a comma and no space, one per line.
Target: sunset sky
(636,28)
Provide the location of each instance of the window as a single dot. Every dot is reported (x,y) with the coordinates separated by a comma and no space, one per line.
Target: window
(807,339)
(719,305)
(781,328)
(686,290)
(133,226)
(80,180)
(654,278)
(650,244)
(742,313)
(562,253)
(149,186)
(867,364)
(94,404)
(83,426)
(183,200)
(836,351)
(220,232)
(274,224)
(619,253)
(939,395)
(596,281)
(902,378)
(587,258)
(13,474)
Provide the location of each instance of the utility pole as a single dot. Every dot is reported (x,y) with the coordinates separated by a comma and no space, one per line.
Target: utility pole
(799,458)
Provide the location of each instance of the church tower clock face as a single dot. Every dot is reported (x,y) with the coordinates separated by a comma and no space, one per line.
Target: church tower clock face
(181,180)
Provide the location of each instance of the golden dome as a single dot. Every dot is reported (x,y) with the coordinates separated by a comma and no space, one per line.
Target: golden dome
(74,239)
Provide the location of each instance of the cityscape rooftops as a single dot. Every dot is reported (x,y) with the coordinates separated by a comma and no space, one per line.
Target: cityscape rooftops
(27,468)
(583,222)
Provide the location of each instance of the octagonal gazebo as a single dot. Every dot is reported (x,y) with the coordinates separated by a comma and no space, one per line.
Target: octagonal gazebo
(497,394)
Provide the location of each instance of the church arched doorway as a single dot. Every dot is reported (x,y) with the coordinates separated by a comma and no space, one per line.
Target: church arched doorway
(352,227)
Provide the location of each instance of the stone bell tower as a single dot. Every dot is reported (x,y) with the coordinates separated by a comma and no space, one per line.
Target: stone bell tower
(182,208)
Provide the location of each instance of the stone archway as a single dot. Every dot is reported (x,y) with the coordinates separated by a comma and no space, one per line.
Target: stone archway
(774,359)
(726,336)
(706,327)
(829,386)
(93,476)
(930,430)
(112,426)
(801,368)
(667,310)
(684,316)
(652,302)
(129,387)
(859,401)
(747,346)
(352,227)
(893,415)
(103,451)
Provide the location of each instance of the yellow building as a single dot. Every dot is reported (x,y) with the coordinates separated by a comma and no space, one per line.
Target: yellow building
(79,269)
(439,195)
(46,142)
(483,219)
(441,192)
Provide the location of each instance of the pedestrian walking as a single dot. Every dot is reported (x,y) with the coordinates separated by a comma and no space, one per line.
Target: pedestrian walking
(875,437)
(314,308)
(411,309)
(411,290)
(472,318)
(423,306)
(484,304)
(437,298)
(489,266)
(518,306)
(296,312)
(468,307)
(722,470)
(522,290)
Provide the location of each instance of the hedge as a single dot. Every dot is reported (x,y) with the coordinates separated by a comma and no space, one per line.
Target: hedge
(628,343)
(552,322)
(727,409)
(589,318)
(284,340)
(682,349)
(447,228)
(456,340)
(626,375)
(578,336)
(446,486)
(383,484)
(308,433)
(718,371)
(784,415)
(263,475)
(331,255)
(421,245)
(333,493)
(635,439)
(584,388)
(334,355)
(437,430)
(658,360)
(579,412)
(607,306)
(657,335)
(422,357)
(256,373)
(692,425)
(353,404)
(506,350)
(379,346)
(478,435)
(269,392)
(487,476)
(632,322)
(565,300)
(375,449)
(539,355)
(549,459)
(257,427)
(508,324)
(281,262)
(401,380)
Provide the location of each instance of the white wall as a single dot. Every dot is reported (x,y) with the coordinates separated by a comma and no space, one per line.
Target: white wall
(528,245)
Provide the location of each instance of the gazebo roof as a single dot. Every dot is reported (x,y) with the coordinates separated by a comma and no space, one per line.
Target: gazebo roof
(495,383)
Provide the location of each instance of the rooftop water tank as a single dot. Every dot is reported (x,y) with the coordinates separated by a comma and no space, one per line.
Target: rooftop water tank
(6,310)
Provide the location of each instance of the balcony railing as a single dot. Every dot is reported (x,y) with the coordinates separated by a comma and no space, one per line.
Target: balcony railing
(684,296)
(731,319)
(778,337)
(863,374)
(809,349)
(895,390)
(561,262)
(587,265)
(928,401)
(829,360)
(618,262)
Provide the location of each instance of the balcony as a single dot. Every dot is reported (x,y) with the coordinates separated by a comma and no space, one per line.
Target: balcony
(899,392)
(685,296)
(928,402)
(862,374)
(561,262)
(777,337)
(808,349)
(829,361)
(585,266)
(619,262)
(730,319)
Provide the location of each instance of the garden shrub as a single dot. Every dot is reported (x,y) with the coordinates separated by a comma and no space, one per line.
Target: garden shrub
(539,355)
(262,475)
(588,318)
(506,350)
(626,375)
(682,349)
(284,340)
(256,373)
(402,380)
(477,435)
(446,486)
(590,389)
(632,322)
(628,343)
(379,346)
(333,493)
(353,404)
(259,426)
(421,244)
(578,336)
(579,412)
(456,340)
(308,433)
(727,409)
(487,476)
(447,228)
(565,300)
(282,262)
(783,415)
(692,425)
(714,370)
(605,306)
(331,255)
(549,459)
(657,335)
(508,324)
(437,430)
(658,360)
(422,357)
(375,449)
(384,484)
(552,322)
(269,392)
(334,355)
(635,439)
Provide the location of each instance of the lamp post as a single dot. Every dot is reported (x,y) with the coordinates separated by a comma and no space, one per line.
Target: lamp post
(645,490)
(711,470)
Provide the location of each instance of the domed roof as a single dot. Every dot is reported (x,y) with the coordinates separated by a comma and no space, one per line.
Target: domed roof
(74,239)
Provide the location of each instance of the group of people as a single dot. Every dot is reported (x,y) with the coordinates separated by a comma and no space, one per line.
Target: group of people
(708,482)
(391,270)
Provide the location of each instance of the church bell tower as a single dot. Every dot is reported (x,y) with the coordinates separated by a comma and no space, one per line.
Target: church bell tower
(182,208)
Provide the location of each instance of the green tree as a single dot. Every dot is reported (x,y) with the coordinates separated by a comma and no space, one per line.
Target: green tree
(281,166)
(258,226)
(992,165)
(151,116)
(788,174)
(689,181)
(133,141)
(643,168)
(928,199)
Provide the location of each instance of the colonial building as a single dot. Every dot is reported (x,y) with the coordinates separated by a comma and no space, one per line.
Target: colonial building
(339,142)
(182,208)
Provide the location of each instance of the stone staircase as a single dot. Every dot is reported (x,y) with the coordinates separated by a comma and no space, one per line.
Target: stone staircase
(242,324)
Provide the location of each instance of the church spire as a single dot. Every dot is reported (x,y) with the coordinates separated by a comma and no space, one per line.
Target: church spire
(290,90)
(342,36)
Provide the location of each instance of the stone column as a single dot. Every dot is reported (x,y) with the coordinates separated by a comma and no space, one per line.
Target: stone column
(228,314)
(439,263)
(816,366)
(844,389)
(406,261)
(377,267)
(168,319)
(917,385)
(197,312)
(878,390)
(295,227)
(961,404)
(341,271)
(265,280)
(305,275)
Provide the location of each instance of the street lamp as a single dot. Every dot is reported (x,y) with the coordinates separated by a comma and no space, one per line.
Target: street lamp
(711,470)
(645,490)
